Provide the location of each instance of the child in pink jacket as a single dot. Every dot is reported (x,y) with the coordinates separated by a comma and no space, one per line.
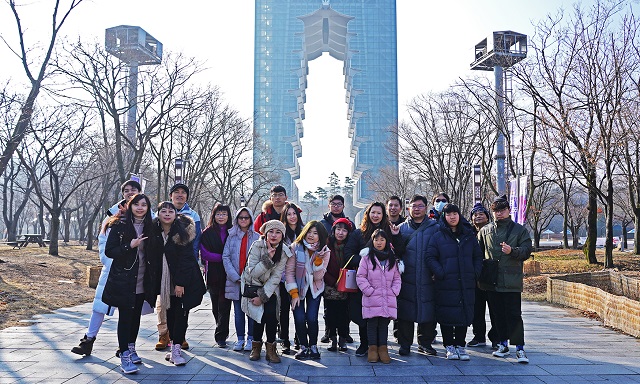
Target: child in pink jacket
(378,278)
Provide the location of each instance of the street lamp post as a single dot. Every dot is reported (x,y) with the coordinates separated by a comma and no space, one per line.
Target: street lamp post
(178,169)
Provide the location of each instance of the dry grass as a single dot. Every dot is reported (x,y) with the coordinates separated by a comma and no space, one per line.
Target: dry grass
(33,282)
(561,261)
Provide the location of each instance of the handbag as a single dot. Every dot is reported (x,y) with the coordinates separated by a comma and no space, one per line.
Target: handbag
(489,273)
(250,291)
(348,283)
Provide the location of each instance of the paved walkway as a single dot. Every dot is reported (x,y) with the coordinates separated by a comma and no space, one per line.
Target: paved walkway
(562,347)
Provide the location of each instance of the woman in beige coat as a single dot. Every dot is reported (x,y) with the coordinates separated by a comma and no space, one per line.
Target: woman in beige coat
(259,282)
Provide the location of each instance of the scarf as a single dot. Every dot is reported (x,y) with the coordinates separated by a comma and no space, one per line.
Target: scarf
(165,283)
(213,240)
(243,251)
(381,255)
(312,247)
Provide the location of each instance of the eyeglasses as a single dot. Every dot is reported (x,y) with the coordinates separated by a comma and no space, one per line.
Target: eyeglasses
(244,218)
(221,214)
(279,194)
(336,204)
(418,206)
(441,200)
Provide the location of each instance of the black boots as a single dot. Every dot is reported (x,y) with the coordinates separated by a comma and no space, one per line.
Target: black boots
(85,347)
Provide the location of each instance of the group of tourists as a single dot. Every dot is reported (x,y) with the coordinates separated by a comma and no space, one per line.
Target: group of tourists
(427,268)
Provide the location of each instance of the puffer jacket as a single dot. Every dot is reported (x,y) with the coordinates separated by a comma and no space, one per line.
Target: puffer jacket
(510,266)
(231,255)
(261,270)
(379,286)
(183,267)
(456,261)
(120,288)
(268,213)
(416,301)
(98,305)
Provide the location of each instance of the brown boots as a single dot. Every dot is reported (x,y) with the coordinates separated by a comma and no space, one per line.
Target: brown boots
(378,353)
(163,341)
(256,347)
(272,353)
(383,353)
(372,355)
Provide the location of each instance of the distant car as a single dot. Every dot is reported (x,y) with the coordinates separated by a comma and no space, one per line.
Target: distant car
(601,240)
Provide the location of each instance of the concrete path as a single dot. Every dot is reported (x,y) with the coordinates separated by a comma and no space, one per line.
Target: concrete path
(562,348)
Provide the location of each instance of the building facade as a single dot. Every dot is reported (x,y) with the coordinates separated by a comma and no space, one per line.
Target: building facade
(361,34)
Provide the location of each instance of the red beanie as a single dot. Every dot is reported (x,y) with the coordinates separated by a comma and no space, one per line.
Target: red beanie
(345,221)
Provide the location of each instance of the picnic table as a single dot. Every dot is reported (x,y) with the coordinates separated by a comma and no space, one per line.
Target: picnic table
(35,238)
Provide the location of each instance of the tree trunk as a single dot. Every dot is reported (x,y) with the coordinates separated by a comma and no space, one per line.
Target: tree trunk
(608,243)
(636,233)
(55,229)
(592,220)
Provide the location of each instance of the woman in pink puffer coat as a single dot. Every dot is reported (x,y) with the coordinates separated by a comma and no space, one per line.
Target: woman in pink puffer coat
(378,278)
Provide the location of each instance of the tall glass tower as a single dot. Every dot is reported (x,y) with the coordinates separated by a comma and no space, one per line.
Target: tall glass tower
(361,34)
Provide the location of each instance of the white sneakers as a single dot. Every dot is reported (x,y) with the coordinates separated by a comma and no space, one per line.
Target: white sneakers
(248,345)
(522,357)
(238,345)
(502,351)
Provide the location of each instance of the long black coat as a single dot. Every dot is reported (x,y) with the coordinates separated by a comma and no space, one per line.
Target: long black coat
(456,261)
(416,301)
(183,267)
(120,289)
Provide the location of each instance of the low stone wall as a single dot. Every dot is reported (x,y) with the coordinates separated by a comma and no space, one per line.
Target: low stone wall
(617,311)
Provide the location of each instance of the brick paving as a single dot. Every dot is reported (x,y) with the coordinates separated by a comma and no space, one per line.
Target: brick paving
(562,348)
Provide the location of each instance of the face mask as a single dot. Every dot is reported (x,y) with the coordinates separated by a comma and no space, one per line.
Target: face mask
(439,205)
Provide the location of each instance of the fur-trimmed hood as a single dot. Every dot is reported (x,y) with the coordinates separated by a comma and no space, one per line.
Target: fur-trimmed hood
(189,225)
(267,206)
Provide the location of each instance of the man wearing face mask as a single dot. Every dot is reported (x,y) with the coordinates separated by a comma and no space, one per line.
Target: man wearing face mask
(438,202)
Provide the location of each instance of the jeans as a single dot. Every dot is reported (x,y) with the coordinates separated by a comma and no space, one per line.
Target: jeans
(239,318)
(305,316)
(269,321)
(378,330)
(453,335)
(129,323)
(177,320)
(507,307)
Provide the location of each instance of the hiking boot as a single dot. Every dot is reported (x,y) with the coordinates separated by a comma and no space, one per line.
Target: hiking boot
(163,341)
(256,348)
(176,355)
(502,351)
(428,349)
(464,356)
(452,353)
(272,353)
(248,345)
(476,343)
(362,350)
(85,347)
(383,354)
(126,365)
(303,354)
(135,359)
(522,357)
(314,354)
(184,345)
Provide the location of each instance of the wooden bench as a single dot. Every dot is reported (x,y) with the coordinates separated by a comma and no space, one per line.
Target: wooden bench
(14,244)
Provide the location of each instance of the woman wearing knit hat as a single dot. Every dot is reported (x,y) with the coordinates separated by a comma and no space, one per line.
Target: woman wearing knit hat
(335,302)
(259,282)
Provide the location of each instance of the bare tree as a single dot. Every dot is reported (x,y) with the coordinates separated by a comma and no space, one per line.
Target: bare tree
(59,160)
(58,18)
